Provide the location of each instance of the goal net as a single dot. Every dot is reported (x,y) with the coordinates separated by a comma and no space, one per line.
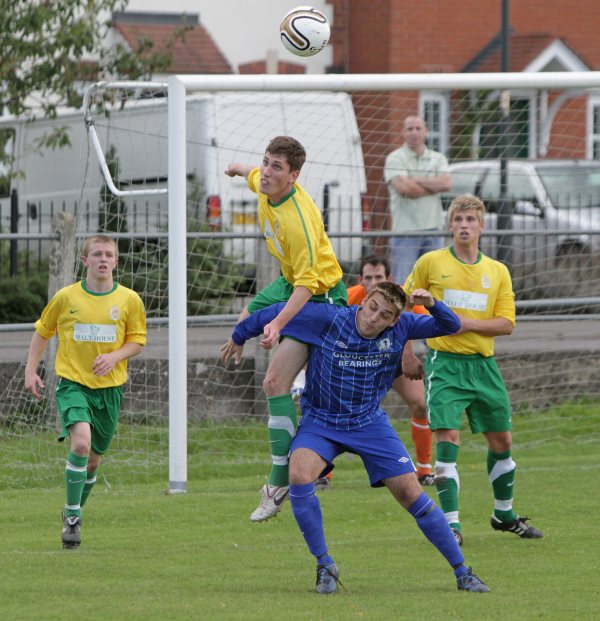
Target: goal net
(529,145)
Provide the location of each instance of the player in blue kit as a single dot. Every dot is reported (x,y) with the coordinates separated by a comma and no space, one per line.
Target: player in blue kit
(354,356)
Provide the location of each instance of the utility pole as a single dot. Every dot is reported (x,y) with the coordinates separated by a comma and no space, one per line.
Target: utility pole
(505,207)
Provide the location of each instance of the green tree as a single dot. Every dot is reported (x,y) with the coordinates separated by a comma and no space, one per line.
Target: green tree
(48,48)
(213,279)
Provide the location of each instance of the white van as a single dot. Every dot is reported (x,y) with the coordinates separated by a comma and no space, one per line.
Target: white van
(221,128)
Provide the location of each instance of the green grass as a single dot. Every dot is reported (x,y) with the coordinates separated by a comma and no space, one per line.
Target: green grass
(147,556)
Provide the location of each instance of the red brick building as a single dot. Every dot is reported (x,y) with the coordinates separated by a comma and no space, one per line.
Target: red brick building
(195,52)
(455,36)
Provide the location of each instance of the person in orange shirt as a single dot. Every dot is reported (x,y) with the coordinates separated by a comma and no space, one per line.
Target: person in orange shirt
(409,384)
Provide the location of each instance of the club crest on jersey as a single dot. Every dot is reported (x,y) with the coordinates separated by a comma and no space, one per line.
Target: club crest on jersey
(486,282)
(384,344)
(341,345)
(114,313)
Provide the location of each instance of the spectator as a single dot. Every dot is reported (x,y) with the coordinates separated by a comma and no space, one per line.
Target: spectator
(415,176)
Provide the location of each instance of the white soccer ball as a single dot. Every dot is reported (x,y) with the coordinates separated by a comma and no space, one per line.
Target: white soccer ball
(304,31)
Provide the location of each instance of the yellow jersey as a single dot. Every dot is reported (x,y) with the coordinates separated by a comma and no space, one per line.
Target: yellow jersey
(481,290)
(89,324)
(295,235)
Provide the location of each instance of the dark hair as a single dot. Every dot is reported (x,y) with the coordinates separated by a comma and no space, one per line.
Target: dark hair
(289,147)
(392,293)
(375,260)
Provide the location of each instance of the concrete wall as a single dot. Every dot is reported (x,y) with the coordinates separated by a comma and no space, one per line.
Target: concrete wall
(534,380)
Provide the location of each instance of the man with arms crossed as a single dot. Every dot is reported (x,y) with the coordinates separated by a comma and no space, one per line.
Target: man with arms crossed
(415,176)
(295,236)
(354,354)
(461,373)
(100,325)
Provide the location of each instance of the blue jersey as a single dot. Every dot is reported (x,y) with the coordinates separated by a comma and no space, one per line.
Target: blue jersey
(348,374)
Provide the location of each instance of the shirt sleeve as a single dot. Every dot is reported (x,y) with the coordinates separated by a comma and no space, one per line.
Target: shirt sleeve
(505,300)
(392,168)
(442,165)
(254,180)
(306,326)
(418,278)
(442,321)
(356,295)
(46,325)
(135,331)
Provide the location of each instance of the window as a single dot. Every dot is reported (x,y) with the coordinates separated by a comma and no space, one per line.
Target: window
(593,146)
(433,107)
(513,134)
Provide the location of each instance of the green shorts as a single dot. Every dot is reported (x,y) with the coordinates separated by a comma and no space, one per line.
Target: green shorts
(97,406)
(465,382)
(281,290)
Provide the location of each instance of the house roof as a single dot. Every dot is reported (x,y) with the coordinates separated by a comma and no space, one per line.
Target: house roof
(524,49)
(197,53)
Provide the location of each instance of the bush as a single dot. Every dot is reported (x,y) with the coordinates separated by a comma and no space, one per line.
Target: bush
(23,297)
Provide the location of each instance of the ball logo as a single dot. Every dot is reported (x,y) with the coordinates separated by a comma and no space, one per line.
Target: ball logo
(304,31)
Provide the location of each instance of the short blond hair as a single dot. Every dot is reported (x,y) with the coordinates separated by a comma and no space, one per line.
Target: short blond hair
(99,239)
(392,293)
(465,202)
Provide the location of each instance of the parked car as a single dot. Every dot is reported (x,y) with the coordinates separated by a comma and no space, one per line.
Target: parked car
(557,202)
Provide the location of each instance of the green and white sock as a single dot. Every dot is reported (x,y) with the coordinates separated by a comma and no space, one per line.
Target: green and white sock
(447,481)
(75,475)
(89,484)
(282,427)
(501,473)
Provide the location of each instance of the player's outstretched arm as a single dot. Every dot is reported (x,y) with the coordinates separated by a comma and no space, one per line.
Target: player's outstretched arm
(238,170)
(33,382)
(442,320)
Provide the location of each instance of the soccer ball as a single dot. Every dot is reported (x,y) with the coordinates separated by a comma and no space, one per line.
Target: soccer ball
(304,31)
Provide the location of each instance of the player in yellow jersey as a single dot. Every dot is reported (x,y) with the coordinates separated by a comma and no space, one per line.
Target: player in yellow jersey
(100,325)
(461,372)
(293,229)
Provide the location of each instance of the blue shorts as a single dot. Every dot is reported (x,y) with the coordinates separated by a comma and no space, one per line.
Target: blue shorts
(377,444)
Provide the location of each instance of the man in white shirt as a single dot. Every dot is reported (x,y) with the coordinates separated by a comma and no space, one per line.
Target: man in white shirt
(415,176)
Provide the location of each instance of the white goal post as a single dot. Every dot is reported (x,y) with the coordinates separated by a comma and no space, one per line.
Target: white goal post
(180,87)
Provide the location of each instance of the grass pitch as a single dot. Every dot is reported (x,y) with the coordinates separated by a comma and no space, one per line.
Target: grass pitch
(147,556)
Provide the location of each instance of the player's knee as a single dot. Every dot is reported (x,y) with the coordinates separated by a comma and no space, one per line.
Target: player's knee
(302,471)
(274,385)
(300,475)
(80,446)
